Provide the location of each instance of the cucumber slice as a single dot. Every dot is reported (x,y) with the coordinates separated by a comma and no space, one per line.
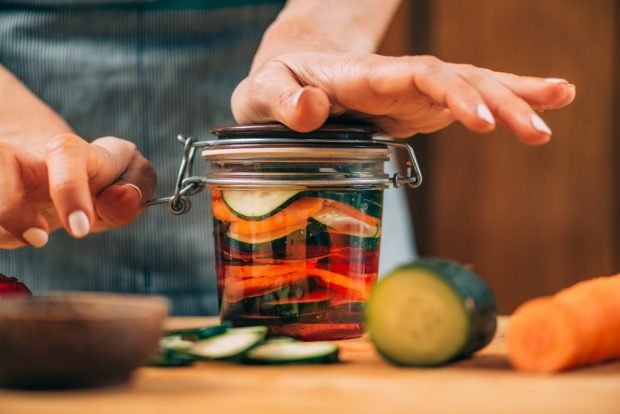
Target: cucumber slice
(282,352)
(176,343)
(311,302)
(345,224)
(173,352)
(202,332)
(229,346)
(430,312)
(257,204)
(172,358)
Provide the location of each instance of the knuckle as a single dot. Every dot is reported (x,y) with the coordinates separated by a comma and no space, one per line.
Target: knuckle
(429,61)
(63,143)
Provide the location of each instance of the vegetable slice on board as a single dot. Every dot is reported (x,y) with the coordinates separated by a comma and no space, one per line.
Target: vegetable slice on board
(285,352)
(430,312)
(229,346)
(577,326)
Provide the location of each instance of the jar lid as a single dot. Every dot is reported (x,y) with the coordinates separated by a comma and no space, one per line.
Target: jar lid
(266,142)
(270,141)
(335,132)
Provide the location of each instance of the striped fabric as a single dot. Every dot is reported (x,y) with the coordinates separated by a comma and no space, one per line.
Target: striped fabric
(144,75)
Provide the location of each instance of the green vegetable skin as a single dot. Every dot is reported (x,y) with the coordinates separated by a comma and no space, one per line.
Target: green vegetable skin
(430,312)
(245,345)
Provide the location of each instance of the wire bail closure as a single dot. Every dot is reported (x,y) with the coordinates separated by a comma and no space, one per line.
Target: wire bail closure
(188,185)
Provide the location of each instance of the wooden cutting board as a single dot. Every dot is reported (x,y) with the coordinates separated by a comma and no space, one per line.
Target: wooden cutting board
(363,383)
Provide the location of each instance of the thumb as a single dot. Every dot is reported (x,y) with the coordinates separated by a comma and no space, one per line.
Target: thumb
(123,201)
(272,93)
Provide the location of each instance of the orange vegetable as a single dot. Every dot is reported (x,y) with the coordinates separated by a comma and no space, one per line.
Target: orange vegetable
(220,210)
(353,212)
(265,270)
(352,288)
(296,212)
(577,326)
(254,238)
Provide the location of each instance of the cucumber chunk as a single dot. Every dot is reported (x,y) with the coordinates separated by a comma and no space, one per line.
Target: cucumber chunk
(430,312)
(229,346)
(257,204)
(284,352)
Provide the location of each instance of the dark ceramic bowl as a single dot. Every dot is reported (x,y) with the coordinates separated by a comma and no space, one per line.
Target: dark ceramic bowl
(77,340)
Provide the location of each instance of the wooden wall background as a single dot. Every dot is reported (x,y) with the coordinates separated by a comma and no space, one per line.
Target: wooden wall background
(529,220)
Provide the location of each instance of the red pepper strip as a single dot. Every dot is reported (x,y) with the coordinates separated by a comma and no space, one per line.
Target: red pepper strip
(266,270)
(239,289)
(350,288)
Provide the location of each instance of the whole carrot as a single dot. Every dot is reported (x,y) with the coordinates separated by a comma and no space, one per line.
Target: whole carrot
(579,325)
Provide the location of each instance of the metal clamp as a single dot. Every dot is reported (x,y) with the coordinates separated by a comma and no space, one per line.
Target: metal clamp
(188,185)
(179,203)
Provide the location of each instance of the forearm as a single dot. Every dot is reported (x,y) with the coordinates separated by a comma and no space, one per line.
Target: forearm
(24,119)
(327,26)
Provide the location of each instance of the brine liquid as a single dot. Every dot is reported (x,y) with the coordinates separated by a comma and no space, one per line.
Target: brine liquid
(309,279)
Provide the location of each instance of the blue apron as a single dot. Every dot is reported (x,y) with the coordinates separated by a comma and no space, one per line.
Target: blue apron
(143,71)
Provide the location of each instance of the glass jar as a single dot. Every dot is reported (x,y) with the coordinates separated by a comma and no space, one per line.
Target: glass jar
(297,223)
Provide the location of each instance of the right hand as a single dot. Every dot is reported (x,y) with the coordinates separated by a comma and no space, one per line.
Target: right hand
(79,186)
(51,178)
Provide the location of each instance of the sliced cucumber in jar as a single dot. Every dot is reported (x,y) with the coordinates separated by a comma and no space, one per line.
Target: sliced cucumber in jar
(257,204)
(430,312)
(285,352)
(229,346)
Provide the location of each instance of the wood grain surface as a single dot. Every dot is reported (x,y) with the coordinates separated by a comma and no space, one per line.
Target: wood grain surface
(363,383)
(530,220)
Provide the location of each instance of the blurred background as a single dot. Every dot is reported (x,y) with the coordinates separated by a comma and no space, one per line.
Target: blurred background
(530,220)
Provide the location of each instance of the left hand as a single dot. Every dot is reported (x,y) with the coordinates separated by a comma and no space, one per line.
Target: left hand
(401,95)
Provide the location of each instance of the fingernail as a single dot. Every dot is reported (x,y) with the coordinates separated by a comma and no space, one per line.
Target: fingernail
(297,96)
(135,187)
(539,125)
(484,113)
(36,237)
(79,224)
(556,80)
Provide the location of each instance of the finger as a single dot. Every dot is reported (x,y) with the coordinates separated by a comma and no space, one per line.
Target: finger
(122,202)
(445,87)
(545,93)
(510,109)
(273,93)
(67,160)
(18,216)
(8,241)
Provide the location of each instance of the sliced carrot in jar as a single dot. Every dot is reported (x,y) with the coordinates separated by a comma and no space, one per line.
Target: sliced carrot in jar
(298,211)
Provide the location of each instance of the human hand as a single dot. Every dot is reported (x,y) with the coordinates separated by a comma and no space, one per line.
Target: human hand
(401,95)
(80,186)
(51,178)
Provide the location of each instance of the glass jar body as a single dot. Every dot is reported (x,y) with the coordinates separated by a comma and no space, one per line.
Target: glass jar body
(301,260)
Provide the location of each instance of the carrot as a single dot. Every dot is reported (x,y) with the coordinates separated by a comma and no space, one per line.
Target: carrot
(262,237)
(298,211)
(353,212)
(220,210)
(266,270)
(579,325)
(354,289)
